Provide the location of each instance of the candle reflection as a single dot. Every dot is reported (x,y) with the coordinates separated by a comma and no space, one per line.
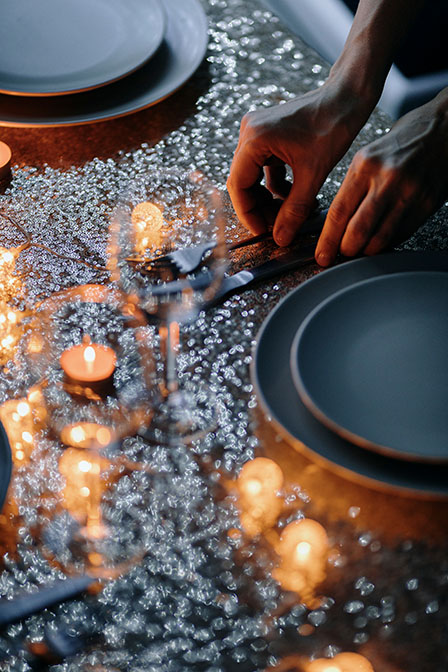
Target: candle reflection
(147,220)
(303,550)
(343,662)
(86,435)
(83,489)
(259,483)
(22,419)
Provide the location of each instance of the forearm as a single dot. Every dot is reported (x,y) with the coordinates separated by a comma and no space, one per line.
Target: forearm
(377,30)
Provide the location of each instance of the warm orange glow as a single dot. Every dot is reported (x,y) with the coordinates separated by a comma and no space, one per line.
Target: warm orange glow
(303,550)
(22,418)
(259,483)
(84,487)
(343,662)
(86,435)
(89,363)
(148,221)
(23,408)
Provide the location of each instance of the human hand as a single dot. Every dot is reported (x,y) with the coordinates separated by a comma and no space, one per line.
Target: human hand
(392,186)
(310,134)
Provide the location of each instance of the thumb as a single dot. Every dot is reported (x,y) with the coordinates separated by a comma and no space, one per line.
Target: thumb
(293,212)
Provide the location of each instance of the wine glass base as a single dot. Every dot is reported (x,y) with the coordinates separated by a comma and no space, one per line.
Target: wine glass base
(181,418)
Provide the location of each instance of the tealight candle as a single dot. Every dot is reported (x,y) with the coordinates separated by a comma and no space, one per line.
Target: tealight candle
(343,662)
(303,550)
(148,222)
(89,363)
(5,162)
(259,483)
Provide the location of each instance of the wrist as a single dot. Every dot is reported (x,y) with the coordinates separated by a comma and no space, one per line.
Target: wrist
(358,78)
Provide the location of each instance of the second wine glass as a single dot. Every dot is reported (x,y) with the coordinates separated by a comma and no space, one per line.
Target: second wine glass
(163,212)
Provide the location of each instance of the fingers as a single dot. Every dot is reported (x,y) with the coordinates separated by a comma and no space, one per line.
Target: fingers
(247,194)
(341,211)
(276,181)
(294,211)
(395,227)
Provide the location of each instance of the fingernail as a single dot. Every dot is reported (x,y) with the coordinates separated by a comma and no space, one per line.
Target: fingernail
(323,259)
(283,237)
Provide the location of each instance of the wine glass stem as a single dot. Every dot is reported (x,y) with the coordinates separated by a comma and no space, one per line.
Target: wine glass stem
(169,345)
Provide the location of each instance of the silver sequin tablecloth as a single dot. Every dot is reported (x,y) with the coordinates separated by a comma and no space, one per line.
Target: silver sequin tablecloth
(203,600)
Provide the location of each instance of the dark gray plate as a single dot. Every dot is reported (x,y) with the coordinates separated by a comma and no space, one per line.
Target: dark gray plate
(371,363)
(181,52)
(271,373)
(5,465)
(54,47)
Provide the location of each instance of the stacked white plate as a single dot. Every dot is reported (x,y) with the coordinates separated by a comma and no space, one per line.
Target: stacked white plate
(352,366)
(80,61)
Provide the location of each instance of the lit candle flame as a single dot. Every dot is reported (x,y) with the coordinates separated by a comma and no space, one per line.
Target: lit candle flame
(303,550)
(89,358)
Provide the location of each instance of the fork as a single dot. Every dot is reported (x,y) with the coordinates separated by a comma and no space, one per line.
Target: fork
(188,259)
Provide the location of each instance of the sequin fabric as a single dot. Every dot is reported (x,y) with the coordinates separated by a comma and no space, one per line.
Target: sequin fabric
(203,599)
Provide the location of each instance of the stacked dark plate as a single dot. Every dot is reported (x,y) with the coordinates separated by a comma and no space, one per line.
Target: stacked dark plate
(352,366)
(82,61)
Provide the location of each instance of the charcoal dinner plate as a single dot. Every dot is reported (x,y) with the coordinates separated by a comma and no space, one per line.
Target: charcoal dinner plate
(371,363)
(5,465)
(182,50)
(54,47)
(272,377)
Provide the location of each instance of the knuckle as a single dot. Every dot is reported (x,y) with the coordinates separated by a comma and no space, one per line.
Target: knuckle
(338,212)
(295,210)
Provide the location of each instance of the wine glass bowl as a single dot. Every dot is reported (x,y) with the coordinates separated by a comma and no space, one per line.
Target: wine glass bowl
(162,212)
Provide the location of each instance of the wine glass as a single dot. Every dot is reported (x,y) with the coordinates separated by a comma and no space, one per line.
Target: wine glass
(86,510)
(162,212)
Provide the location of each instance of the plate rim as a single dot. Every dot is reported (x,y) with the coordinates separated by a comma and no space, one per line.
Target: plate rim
(168,49)
(56,92)
(351,436)
(350,472)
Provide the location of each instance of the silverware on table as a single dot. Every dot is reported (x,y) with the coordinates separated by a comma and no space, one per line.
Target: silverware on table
(188,259)
(288,261)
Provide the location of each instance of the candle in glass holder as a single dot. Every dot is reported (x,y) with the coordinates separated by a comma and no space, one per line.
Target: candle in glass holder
(303,550)
(259,483)
(89,365)
(148,223)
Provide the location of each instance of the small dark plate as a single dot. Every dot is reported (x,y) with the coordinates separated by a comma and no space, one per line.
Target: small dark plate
(271,373)
(371,363)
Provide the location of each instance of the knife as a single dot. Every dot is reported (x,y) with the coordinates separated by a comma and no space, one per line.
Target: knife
(283,263)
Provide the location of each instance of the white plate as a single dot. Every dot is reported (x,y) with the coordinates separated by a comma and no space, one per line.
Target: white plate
(371,363)
(54,47)
(179,55)
(271,373)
